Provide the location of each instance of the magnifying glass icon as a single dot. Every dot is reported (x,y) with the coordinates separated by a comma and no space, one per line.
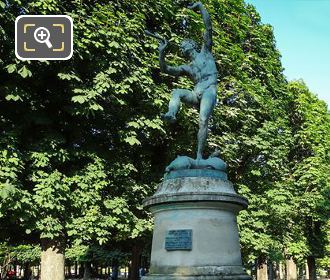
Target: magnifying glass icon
(41,35)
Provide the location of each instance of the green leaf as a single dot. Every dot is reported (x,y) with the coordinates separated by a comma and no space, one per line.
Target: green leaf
(79,99)
(13,97)
(11,68)
(132,140)
(25,72)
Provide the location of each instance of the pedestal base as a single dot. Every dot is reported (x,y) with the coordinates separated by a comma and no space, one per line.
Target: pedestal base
(200,277)
(195,234)
(205,272)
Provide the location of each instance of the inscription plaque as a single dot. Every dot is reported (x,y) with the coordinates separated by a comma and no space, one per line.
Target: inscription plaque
(180,239)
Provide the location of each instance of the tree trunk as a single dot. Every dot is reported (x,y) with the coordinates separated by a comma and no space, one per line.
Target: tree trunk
(52,260)
(27,272)
(262,270)
(69,270)
(271,270)
(311,267)
(135,264)
(291,269)
(87,271)
(81,270)
(114,269)
(75,269)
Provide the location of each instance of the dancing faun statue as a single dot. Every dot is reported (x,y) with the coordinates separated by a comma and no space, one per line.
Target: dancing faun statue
(202,70)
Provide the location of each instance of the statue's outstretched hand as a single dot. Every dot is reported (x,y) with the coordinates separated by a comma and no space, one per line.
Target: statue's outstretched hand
(163,45)
(195,6)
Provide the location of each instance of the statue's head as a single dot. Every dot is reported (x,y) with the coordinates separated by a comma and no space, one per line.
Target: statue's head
(188,47)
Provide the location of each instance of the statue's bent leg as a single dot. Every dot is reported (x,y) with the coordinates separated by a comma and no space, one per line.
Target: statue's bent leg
(178,96)
(208,102)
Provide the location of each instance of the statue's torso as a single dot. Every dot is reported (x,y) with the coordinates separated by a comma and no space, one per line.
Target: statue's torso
(204,70)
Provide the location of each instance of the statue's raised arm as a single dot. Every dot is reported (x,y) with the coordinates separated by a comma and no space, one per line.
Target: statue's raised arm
(198,6)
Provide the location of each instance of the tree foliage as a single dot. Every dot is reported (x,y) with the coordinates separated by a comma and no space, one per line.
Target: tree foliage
(82,142)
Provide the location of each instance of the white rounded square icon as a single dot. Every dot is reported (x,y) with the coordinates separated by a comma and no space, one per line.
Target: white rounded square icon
(43,37)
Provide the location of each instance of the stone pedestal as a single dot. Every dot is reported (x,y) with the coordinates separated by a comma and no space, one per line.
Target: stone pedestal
(195,233)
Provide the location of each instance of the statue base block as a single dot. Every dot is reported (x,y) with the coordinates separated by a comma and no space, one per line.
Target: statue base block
(198,277)
(195,233)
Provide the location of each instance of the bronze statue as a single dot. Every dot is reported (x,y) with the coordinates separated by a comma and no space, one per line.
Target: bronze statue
(202,70)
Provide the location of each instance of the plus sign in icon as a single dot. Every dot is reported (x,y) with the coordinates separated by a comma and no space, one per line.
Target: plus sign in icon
(44,37)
